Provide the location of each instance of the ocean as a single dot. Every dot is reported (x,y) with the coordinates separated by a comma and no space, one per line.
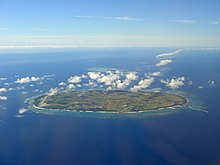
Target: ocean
(187,136)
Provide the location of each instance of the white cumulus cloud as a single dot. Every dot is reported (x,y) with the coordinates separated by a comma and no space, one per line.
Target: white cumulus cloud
(3,90)
(27,80)
(174,83)
(62,84)
(131,76)
(71,86)
(22,110)
(94,75)
(3,98)
(108,79)
(74,79)
(3,78)
(200,87)
(142,84)
(122,84)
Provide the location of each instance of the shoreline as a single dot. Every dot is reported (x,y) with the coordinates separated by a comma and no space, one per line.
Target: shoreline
(33,107)
(135,112)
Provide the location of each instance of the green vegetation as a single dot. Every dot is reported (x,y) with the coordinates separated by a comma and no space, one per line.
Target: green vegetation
(108,101)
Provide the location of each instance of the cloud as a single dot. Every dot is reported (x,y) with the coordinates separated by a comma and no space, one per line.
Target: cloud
(146,82)
(94,75)
(112,79)
(3,29)
(199,49)
(52,91)
(131,76)
(39,83)
(71,86)
(200,87)
(48,77)
(22,110)
(74,79)
(125,18)
(153,74)
(99,44)
(62,84)
(3,98)
(3,79)
(11,89)
(142,84)
(214,22)
(163,62)
(169,54)
(185,21)
(83,76)
(122,84)
(174,83)
(108,79)
(3,90)
(91,83)
(27,80)
(190,83)
(211,83)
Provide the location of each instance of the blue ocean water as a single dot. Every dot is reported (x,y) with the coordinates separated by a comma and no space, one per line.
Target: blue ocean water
(185,137)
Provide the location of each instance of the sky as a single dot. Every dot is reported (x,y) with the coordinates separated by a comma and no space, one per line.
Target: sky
(102,23)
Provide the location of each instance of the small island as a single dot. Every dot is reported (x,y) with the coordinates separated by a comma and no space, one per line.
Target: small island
(108,101)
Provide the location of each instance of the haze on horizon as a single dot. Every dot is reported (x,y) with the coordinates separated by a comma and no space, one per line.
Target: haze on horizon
(98,23)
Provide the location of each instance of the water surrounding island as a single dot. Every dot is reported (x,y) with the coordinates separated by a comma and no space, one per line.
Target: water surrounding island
(188,136)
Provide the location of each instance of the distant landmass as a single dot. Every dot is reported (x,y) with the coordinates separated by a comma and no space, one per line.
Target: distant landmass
(108,101)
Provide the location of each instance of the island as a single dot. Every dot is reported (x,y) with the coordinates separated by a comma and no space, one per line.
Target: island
(108,101)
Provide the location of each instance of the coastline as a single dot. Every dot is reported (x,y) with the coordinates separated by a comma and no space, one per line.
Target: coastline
(106,112)
(168,109)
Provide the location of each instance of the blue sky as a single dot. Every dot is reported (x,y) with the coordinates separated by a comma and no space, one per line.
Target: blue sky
(148,23)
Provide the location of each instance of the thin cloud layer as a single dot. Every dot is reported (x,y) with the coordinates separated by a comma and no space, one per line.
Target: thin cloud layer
(153,74)
(124,18)
(185,21)
(3,78)
(3,29)
(216,22)
(163,62)
(169,54)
